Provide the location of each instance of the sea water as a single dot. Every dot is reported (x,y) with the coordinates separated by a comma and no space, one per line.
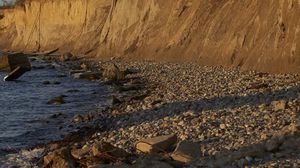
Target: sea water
(25,117)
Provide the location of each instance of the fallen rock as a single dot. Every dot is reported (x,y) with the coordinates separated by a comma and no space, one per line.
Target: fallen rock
(81,153)
(279,105)
(156,144)
(186,152)
(108,152)
(112,72)
(59,158)
(57,101)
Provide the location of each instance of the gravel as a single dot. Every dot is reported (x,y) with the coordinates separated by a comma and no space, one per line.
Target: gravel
(225,110)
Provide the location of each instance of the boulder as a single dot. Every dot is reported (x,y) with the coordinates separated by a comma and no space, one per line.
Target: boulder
(81,153)
(186,152)
(104,149)
(78,118)
(59,158)
(156,144)
(112,72)
(57,101)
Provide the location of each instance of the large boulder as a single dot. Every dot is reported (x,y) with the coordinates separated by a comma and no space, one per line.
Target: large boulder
(156,144)
(112,72)
(60,158)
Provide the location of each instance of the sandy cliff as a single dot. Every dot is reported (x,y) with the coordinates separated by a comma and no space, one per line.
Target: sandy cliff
(252,34)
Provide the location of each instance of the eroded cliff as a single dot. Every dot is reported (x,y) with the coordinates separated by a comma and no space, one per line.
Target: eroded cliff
(252,34)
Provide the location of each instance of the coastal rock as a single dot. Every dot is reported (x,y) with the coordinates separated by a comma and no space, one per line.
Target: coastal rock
(78,118)
(112,72)
(100,149)
(156,144)
(186,152)
(59,158)
(57,101)
(81,153)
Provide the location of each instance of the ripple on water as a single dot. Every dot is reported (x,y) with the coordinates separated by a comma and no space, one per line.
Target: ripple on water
(24,114)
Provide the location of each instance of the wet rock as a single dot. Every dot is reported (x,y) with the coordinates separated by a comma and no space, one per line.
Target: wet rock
(46,82)
(112,72)
(156,144)
(186,152)
(81,153)
(57,101)
(88,75)
(78,118)
(59,158)
(279,105)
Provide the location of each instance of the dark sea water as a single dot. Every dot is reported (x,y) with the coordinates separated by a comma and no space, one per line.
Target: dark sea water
(25,117)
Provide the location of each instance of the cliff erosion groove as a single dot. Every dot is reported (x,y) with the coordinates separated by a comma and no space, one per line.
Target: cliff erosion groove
(251,34)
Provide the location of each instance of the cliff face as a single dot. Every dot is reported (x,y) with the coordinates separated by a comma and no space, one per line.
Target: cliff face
(252,34)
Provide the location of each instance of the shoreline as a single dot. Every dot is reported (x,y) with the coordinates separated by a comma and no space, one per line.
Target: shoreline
(227,112)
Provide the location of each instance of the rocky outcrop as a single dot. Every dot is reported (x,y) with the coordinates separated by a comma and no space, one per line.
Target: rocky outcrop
(251,34)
